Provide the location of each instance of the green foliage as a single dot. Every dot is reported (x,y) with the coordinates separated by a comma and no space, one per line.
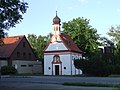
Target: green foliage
(1,37)
(7,70)
(114,32)
(91,84)
(117,51)
(97,65)
(38,44)
(82,34)
(11,12)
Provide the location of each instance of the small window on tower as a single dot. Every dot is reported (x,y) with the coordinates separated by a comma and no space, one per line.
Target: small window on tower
(56,28)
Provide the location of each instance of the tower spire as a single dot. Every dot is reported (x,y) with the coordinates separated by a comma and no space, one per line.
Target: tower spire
(56,25)
(56,13)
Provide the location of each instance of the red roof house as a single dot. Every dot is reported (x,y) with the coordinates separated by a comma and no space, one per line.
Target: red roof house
(16,51)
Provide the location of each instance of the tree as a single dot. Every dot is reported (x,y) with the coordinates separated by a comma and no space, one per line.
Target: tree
(38,44)
(11,12)
(95,66)
(82,34)
(114,32)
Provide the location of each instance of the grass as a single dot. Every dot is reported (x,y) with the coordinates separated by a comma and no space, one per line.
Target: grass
(114,75)
(92,84)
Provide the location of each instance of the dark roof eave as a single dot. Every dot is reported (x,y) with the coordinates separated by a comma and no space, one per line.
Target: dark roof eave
(63,51)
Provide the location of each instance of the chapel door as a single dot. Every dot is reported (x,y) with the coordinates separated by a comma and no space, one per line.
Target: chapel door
(56,69)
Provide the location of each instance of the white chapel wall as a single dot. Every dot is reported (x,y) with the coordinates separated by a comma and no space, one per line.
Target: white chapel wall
(48,64)
(74,56)
(66,64)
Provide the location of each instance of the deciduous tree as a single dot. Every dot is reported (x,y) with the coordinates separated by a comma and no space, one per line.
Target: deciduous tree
(114,32)
(82,34)
(11,13)
(38,44)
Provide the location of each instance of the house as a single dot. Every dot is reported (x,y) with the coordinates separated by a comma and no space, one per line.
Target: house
(60,53)
(17,52)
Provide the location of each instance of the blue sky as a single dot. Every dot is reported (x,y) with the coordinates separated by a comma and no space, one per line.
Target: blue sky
(38,19)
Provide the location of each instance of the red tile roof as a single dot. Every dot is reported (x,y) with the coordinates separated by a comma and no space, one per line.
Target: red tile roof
(10,43)
(68,42)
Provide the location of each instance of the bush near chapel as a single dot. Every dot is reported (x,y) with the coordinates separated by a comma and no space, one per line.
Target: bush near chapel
(7,70)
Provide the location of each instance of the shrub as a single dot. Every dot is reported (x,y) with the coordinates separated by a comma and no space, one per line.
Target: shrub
(7,70)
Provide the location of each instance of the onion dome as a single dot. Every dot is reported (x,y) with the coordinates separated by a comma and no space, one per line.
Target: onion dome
(56,19)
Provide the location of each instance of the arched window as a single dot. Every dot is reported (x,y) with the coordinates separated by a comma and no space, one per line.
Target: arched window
(56,28)
(56,59)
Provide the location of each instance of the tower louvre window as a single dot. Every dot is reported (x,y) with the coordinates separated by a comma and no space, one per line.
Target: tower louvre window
(56,28)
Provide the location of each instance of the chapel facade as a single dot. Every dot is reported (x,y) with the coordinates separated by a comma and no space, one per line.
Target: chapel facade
(60,53)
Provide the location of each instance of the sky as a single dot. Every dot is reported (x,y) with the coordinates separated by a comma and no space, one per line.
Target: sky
(38,19)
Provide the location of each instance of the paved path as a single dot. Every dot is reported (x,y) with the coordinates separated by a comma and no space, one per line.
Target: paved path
(52,83)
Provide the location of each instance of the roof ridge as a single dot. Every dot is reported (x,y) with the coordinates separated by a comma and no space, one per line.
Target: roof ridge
(14,36)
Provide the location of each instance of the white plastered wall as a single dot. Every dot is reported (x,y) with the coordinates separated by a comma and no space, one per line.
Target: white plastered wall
(3,63)
(27,66)
(48,64)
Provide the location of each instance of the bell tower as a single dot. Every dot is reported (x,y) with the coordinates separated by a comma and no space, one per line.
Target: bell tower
(56,25)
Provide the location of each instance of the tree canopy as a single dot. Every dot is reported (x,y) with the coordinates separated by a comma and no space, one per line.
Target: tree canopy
(82,34)
(38,44)
(114,32)
(11,13)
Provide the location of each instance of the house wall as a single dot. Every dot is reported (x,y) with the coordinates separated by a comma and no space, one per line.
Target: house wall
(27,66)
(3,63)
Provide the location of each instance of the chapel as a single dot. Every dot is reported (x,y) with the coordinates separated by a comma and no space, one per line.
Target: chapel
(60,53)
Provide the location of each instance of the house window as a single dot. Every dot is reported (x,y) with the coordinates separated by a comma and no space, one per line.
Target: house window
(24,55)
(24,44)
(23,65)
(18,54)
(30,65)
(29,55)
